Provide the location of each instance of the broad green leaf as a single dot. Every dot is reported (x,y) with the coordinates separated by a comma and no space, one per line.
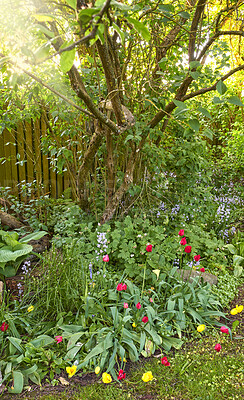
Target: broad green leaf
(217,100)
(44,30)
(205,112)
(42,340)
(30,370)
(231,248)
(33,236)
(208,133)
(238,270)
(72,3)
(16,343)
(235,324)
(140,28)
(44,17)
(194,64)
(73,339)
(180,104)
(42,53)
(237,260)
(155,337)
(67,60)
(236,101)
(166,9)
(119,5)
(120,32)
(18,383)
(194,74)
(86,15)
(221,87)
(99,349)
(194,124)
(184,14)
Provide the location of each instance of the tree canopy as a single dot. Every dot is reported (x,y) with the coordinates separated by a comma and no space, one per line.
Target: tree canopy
(128,72)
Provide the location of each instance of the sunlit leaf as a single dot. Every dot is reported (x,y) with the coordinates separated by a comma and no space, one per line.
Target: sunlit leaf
(140,28)
(67,60)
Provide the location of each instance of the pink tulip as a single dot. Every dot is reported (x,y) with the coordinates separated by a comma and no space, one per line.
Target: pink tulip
(106,258)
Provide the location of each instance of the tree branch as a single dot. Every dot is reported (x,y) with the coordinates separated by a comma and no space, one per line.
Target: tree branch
(196,19)
(213,87)
(86,38)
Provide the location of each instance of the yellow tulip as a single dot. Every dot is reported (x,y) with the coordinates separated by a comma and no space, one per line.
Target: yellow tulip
(31,308)
(234,311)
(97,370)
(239,309)
(106,378)
(134,325)
(201,328)
(71,370)
(148,376)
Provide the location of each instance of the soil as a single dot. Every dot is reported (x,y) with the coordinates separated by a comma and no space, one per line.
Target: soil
(76,382)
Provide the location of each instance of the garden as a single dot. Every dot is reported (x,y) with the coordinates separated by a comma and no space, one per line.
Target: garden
(121,200)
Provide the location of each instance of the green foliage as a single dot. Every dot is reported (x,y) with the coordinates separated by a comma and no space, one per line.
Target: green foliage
(13,251)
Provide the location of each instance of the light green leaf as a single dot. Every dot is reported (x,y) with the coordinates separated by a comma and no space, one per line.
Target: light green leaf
(140,28)
(44,17)
(67,60)
(194,124)
(119,5)
(221,87)
(44,30)
(86,15)
(42,340)
(72,3)
(18,382)
(120,32)
(33,236)
(180,104)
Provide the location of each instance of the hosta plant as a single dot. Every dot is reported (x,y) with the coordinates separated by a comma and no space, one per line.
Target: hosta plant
(13,251)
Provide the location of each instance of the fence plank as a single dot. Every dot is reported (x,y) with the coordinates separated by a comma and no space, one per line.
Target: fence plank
(45,164)
(29,152)
(11,179)
(2,166)
(20,141)
(38,161)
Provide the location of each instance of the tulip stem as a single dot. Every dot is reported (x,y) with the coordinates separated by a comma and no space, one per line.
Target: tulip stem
(143,282)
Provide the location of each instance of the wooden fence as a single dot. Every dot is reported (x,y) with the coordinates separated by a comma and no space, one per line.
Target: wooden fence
(25,162)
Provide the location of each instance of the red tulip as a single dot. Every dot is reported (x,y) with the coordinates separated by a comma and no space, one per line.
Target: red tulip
(218,347)
(149,248)
(188,249)
(145,320)
(197,258)
(164,361)
(181,232)
(183,241)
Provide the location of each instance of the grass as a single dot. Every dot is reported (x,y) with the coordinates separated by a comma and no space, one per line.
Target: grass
(197,372)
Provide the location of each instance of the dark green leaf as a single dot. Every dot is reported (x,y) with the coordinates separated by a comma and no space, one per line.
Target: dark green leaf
(205,112)
(235,100)
(221,87)
(194,124)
